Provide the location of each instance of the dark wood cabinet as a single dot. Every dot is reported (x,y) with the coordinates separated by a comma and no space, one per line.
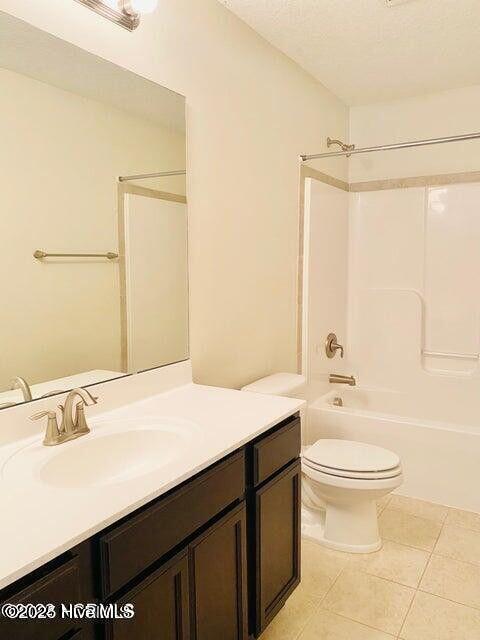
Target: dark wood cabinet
(218,570)
(76,635)
(131,547)
(161,605)
(213,559)
(60,585)
(274,451)
(276,563)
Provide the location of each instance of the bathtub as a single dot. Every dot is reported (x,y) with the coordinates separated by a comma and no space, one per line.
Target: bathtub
(440,457)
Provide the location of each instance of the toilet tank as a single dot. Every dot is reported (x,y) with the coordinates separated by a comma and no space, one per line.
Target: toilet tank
(291,385)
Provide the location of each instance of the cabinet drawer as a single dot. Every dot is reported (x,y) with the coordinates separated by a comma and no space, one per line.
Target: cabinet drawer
(130,548)
(62,585)
(276,450)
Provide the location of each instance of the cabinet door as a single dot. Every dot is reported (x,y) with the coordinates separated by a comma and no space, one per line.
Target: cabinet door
(277,543)
(161,606)
(61,585)
(218,580)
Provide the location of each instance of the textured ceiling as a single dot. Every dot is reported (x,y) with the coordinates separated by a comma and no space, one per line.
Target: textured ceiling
(365,51)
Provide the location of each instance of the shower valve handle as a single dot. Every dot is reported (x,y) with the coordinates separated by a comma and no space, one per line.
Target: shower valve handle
(332,346)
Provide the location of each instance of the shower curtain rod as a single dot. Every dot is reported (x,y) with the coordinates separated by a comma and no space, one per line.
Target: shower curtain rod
(145,176)
(398,145)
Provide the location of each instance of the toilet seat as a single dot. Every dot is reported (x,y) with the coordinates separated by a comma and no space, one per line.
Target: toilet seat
(338,473)
(363,485)
(355,460)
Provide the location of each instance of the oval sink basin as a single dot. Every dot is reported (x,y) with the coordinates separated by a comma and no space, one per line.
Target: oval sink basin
(111,453)
(111,458)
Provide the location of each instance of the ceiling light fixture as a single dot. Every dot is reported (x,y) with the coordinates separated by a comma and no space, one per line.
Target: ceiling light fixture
(125,13)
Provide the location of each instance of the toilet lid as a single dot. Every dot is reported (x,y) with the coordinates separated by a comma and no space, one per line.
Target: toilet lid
(351,457)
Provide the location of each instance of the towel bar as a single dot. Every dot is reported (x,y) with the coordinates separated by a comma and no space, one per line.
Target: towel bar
(39,255)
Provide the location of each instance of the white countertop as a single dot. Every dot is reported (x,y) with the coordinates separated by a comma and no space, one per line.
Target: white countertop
(39,522)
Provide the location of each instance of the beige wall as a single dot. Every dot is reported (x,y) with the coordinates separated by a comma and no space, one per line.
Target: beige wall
(432,116)
(59,192)
(250,113)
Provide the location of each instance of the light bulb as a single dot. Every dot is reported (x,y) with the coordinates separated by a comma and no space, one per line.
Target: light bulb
(142,6)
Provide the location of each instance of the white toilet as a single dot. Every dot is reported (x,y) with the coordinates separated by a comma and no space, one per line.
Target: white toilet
(342,481)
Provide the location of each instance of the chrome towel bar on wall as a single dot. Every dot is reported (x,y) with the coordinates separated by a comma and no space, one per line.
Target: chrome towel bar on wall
(39,255)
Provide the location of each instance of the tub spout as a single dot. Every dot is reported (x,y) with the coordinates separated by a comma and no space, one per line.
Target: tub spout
(335,378)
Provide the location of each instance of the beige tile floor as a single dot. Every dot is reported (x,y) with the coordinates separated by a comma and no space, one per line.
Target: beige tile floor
(424,584)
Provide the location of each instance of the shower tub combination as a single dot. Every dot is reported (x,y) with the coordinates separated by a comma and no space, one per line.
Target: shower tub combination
(439,448)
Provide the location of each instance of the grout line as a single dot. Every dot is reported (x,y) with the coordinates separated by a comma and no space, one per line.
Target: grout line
(399,584)
(318,606)
(304,626)
(459,526)
(342,570)
(424,571)
(438,538)
(407,613)
(444,555)
(319,602)
(415,515)
(461,604)
(372,575)
(408,545)
(367,625)
(364,624)
(420,581)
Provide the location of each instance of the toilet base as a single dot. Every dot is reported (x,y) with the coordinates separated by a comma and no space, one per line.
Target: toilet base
(362,523)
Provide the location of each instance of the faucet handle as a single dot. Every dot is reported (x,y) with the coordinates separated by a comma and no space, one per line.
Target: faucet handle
(43,414)
(62,413)
(80,423)
(332,346)
(52,433)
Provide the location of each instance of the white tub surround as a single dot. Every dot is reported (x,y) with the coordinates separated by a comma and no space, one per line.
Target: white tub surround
(412,332)
(41,520)
(436,437)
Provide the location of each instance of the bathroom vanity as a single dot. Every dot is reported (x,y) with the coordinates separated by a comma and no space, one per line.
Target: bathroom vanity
(214,556)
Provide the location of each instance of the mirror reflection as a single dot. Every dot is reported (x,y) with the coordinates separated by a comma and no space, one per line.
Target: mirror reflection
(94,269)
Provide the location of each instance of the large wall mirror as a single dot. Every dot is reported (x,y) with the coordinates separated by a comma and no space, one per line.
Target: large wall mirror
(94,269)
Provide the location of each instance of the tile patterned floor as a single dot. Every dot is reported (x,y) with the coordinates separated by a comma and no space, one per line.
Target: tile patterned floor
(424,584)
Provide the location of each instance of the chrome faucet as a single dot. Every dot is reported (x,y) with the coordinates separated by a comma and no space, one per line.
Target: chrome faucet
(71,426)
(335,378)
(21,383)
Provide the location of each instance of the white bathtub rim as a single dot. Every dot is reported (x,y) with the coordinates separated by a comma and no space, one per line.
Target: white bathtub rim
(322,404)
